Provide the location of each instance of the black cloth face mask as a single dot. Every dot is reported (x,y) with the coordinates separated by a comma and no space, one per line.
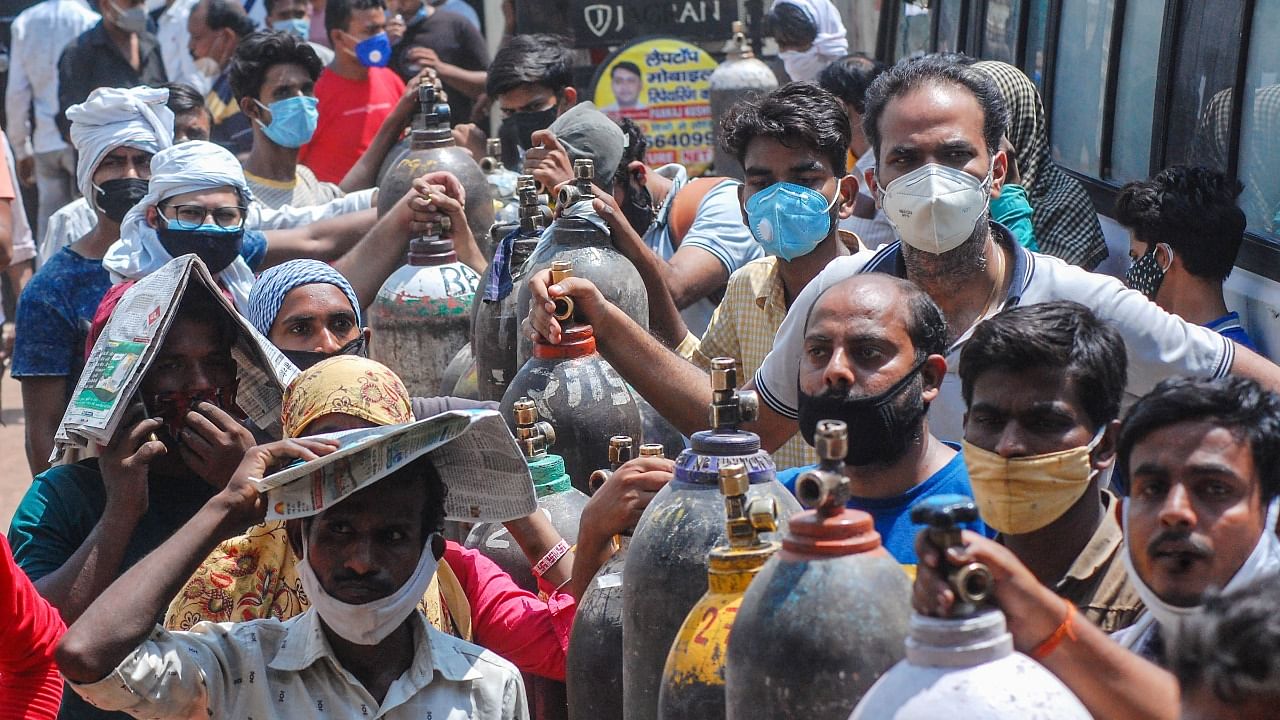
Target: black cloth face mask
(528,122)
(304,359)
(217,248)
(637,205)
(116,197)
(881,427)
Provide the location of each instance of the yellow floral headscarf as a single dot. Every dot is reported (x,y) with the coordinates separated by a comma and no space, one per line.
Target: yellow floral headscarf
(346,384)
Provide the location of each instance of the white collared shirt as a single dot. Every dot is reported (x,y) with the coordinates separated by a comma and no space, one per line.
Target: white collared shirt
(39,35)
(270,669)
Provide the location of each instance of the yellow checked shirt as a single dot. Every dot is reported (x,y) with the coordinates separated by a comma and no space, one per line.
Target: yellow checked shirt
(742,328)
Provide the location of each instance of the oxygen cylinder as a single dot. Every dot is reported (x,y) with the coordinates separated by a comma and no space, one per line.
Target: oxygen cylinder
(459,378)
(575,238)
(658,429)
(557,498)
(693,680)
(420,316)
(827,615)
(430,149)
(577,392)
(594,669)
(495,323)
(502,183)
(964,665)
(740,77)
(667,560)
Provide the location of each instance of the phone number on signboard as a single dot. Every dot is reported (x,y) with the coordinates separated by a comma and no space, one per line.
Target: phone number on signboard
(682,139)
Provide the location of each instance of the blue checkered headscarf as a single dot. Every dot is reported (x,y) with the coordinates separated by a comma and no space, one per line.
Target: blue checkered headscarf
(273,285)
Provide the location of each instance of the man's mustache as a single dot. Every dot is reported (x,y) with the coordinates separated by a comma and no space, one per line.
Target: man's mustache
(1178,542)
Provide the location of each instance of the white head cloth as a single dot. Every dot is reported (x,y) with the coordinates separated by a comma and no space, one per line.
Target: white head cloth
(1263,560)
(831,42)
(183,168)
(111,117)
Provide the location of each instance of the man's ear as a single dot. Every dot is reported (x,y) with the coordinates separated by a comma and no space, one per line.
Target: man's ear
(293,530)
(847,187)
(1104,453)
(742,203)
(932,372)
(569,98)
(869,177)
(251,109)
(153,217)
(1165,256)
(638,171)
(999,170)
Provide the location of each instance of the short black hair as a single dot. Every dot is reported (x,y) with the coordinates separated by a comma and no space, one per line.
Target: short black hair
(911,74)
(789,24)
(184,99)
(796,114)
(261,51)
(636,144)
(535,59)
(337,13)
(628,66)
(221,14)
(849,77)
(926,325)
(1235,403)
(1059,335)
(1231,647)
(1194,210)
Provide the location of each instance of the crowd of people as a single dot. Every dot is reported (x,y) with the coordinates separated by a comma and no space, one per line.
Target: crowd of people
(902,255)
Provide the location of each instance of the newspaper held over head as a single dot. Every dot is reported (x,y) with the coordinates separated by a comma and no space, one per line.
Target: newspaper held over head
(486,476)
(132,337)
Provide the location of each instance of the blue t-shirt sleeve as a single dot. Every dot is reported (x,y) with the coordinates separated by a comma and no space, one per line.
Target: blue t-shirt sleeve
(254,249)
(718,229)
(1013,210)
(47,527)
(44,337)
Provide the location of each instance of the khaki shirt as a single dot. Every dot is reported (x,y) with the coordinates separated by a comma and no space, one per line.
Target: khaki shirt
(1097,582)
(266,669)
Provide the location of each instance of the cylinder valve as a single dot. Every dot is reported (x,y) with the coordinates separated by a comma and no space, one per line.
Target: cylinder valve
(584,170)
(944,515)
(825,488)
(492,160)
(652,450)
(621,449)
(561,269)
(533,436)
(745,520)
(730,406)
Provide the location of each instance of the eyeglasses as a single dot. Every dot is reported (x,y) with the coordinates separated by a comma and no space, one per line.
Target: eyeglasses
(190,217)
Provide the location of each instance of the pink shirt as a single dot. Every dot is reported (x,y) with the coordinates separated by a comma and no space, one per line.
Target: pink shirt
(30,686)
(518,625)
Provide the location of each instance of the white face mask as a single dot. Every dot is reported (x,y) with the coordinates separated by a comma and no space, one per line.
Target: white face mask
(369,623)
(935,208)
(803,65)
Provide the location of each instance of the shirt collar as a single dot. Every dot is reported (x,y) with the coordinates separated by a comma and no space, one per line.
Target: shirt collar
(769,285)
(304,643)
(1106,540)
(678,175)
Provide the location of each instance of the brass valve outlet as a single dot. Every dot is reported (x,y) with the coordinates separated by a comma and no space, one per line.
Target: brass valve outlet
(972,583)
(825,488)
(492,159)
(584,170)
(745,520)
(652,450)
(561,269)
(621,449)
(533,436)
(730,407)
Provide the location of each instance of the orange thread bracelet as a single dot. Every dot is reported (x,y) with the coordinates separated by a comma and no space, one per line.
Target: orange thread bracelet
(1065,630)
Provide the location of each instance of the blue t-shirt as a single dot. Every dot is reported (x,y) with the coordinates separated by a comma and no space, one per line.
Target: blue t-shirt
(1228,326)
(57,307)
(892,515)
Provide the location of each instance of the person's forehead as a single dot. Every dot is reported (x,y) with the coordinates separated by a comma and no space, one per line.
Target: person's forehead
(283,6)
(780,157)
(866,302)
(932,113)
(1193,444)
(393,500)
(521,95)
(285,73)
(319,299)
(213,197)
(1023,389)
(194,335)
(123,152)
(366,18)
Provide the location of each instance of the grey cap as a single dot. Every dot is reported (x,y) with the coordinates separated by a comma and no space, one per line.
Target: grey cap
(585,132)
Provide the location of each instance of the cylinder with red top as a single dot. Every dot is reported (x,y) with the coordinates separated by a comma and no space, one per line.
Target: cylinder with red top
(580,394)
(421,315)
(827,615)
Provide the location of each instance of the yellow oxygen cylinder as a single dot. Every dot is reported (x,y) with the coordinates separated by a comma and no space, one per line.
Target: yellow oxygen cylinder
(693,679)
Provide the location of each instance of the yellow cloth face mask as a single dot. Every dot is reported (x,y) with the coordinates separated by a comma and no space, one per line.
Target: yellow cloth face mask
(1021,495)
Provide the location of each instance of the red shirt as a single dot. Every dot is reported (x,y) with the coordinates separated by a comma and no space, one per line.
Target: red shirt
(351,111)
(531,634)
(30,686)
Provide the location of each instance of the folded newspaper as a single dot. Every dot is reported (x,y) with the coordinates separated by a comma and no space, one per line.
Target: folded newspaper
(132,337)
(478,459)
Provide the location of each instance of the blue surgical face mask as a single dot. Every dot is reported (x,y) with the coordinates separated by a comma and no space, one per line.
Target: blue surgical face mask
(374,51)
(293,121)
(298,26)
(789,220)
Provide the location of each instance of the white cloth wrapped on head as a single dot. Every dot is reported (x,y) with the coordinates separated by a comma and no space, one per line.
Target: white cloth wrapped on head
(830,44)
(183,168)
(112,117)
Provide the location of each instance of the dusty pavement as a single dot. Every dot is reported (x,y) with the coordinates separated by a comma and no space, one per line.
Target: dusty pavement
(14,476)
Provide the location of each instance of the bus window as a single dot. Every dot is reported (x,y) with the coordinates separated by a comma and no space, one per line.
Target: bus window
(1000,35)
(1079,87)
(1037,41)
(1260,124)
(1136,90)
(1204,73)
(913,29)
(949,20)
